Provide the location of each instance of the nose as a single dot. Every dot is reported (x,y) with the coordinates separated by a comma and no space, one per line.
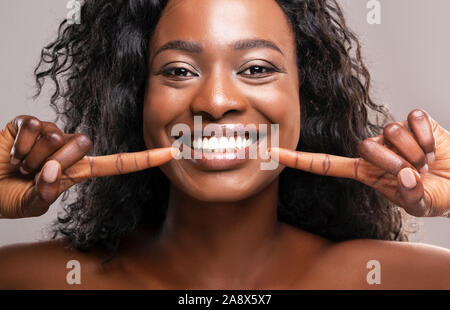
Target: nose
(218,97)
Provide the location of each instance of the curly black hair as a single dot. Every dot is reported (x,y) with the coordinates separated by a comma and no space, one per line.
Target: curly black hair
(99,69)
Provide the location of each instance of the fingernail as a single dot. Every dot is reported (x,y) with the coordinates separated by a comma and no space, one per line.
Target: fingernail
(15,161)
(430,158)
(50,172)
(408,178)
(418,114)
(175,152)
(424,169)
(23,171)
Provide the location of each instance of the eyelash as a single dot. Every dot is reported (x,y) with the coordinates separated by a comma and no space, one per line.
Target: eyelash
(267,69)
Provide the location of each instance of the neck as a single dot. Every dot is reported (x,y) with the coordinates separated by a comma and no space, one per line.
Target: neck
(220,238)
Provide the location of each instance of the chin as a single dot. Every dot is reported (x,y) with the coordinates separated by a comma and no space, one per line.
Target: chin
(224,187)
(223,195)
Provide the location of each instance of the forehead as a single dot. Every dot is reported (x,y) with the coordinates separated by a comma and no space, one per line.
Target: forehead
(216,23)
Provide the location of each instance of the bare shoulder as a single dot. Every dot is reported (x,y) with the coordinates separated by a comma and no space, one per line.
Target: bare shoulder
(377,264)
(45,265)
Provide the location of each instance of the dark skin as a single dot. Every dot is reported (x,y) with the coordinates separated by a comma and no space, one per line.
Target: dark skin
(221,231)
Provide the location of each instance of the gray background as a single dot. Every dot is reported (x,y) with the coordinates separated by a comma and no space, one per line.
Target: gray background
(407,55)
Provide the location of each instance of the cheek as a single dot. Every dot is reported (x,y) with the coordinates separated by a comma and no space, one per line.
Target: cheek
(281,105)
(162,106)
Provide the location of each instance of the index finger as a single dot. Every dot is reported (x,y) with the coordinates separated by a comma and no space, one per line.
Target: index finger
(123,163)
(318,163)
(25,131)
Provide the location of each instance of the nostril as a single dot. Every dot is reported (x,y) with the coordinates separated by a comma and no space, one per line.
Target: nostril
(215,117)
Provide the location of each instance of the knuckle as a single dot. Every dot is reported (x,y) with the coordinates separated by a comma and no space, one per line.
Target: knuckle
(366,146)
(19,119)
(392,130)
(83,142)
(55,139)
(19,125)
(31,124)
(416,114)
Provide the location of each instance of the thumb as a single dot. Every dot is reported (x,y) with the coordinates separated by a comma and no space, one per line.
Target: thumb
(45,191)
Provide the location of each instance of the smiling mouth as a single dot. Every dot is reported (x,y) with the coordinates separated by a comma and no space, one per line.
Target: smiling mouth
(222,147)
(227,138)
(222,144)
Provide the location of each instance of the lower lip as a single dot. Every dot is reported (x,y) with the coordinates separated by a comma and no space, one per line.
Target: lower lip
(220,161)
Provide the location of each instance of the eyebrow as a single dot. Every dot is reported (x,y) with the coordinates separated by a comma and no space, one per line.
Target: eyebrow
(196,48)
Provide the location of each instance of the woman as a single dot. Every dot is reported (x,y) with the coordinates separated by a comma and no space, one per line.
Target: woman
(133,70)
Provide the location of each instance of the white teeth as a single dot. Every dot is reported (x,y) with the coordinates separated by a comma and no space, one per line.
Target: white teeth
(230,156)
(213,144)
(231,144)
(205,143)
(239,142)
(222,144)
(248,142)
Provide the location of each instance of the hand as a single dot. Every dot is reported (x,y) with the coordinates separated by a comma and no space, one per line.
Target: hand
(38,162)
(409,164)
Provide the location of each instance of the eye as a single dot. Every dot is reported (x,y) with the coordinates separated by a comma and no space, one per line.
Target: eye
(259,70)
(177,72)
(253,71)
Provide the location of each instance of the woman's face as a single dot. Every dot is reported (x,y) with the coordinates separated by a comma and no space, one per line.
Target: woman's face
(226,81)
